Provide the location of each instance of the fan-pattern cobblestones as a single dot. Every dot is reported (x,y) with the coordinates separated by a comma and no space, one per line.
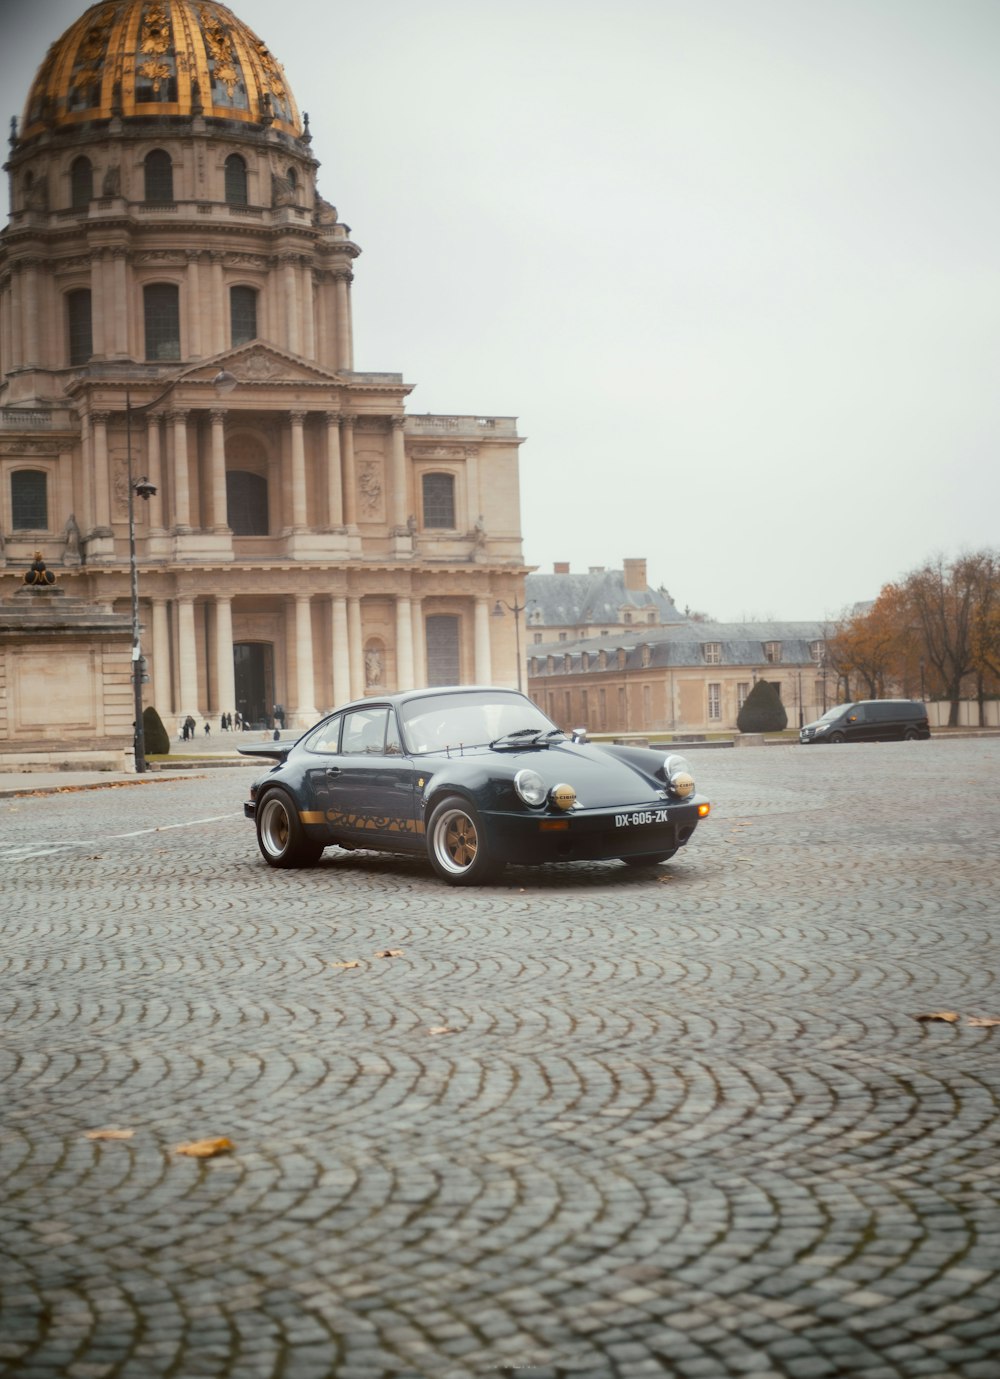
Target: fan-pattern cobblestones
(681,1123)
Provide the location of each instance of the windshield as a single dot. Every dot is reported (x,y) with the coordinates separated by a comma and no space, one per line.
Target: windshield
(831,714)
(469,719)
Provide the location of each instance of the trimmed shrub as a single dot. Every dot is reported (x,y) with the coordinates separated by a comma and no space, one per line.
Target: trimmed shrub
(762,711)
(156,736)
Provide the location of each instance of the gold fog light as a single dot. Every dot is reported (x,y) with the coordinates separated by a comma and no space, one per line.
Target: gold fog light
(563,796)
(682,784)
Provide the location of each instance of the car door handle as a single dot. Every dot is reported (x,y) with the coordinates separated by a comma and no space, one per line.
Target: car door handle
(332,771)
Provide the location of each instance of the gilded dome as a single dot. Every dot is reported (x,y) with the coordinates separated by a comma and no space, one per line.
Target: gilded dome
(149,58)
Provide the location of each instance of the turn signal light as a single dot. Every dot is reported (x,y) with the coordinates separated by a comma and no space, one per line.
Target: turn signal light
(703,810)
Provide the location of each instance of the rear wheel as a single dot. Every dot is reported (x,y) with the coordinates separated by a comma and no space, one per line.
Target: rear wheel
(652,859)
(456,843)
(280,835)
(837,738)
(910,735)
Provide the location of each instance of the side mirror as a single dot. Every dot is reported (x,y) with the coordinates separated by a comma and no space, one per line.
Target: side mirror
(579,735)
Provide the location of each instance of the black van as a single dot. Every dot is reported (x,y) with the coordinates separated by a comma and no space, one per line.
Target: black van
(870,720)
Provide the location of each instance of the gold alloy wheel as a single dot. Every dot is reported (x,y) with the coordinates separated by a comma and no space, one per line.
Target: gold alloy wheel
(457,845)
(461,840)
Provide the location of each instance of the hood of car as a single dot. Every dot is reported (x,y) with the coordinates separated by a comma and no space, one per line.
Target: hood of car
(600,779)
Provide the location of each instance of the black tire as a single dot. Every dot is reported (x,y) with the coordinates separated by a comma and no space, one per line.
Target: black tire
(456,843)
(836,738)
(910,735)
(652,859)
(280,835)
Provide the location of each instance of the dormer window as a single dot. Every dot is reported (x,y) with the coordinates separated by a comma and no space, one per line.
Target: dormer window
(816,650)
(712,651)
(772,652)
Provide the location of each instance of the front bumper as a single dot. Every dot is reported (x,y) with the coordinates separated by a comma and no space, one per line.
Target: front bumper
(594,835)
(249,809)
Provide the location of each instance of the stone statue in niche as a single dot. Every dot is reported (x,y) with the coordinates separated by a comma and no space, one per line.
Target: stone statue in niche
(373,666)
(111,185)
(71,535)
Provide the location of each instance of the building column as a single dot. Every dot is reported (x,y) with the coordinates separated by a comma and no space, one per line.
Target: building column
(16,354)
(298,471)
(307,300)
(341,652)
(120,300)
(218,313)
(194,305)
(98,329)
(225,675)
(404,644)
(293,343)
(350,478)
(181,484)
(334,478)
(419,649)
(472,486)
(187,658)
(355,649)
(102,479)
(88,515)
(484,667)
(30,312)
(161,658)
(220,515)
(344,348)
(305,682)
(154,470)
(400,503)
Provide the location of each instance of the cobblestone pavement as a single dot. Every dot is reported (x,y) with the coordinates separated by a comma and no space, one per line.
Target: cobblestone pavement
(683,1123)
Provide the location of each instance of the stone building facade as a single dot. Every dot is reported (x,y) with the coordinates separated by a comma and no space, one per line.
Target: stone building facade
(687,679)
(175,304)
(563,606)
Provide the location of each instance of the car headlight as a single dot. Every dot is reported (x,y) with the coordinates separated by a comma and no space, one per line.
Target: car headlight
(677,774)
(530,787)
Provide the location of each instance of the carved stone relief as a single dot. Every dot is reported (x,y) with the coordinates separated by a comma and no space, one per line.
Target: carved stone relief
(371,487)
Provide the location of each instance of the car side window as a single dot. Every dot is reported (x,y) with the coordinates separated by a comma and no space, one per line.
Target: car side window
(364,732)
(393,745)
(857,715)
(325,738)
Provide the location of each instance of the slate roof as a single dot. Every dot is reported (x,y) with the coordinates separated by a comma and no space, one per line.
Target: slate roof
(595,598)
(741,644)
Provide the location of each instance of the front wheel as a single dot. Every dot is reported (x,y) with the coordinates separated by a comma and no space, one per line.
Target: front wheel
(836,738)
(456,843)
(910,735)
(280,835)
(651,859)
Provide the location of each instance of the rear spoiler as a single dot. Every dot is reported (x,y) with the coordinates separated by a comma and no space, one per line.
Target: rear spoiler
(275,751)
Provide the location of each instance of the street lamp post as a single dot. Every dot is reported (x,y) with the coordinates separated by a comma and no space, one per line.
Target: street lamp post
(517,609)
(145,490)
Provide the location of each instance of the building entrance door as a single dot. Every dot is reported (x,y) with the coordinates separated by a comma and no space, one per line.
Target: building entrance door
(253,664)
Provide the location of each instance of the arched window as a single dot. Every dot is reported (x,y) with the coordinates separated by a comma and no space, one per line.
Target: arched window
(292,176)
(439,501)
(78,320)
(81,184)
(246,503)
(162,317)
(236,180)
(29,500)
(159,174)
(242,314)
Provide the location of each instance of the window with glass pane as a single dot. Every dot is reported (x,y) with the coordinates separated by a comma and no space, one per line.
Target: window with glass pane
(243,314)
(439,500)
(161,308)
(442,650)
(81,341)
(29,500)
(159,176)
(246,503)
(236,180)
(81,183)
(715,702)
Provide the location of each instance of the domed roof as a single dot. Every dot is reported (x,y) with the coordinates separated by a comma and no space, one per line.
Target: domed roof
(149,58)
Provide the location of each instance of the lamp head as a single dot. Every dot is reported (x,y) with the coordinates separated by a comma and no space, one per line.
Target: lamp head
(144,488)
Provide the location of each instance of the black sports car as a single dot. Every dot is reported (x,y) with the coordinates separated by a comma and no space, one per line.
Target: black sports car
(476,778)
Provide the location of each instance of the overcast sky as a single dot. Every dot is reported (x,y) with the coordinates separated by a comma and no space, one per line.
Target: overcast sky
(732,263)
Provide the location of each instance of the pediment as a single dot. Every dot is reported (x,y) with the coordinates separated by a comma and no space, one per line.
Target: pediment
(259,363)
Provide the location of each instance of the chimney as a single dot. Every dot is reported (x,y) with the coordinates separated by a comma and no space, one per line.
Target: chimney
(635,575)
(561,567)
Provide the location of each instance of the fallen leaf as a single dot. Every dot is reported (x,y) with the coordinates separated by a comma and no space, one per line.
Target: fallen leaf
(389,953)
(109,1134)
(948,1016)
(205,1149)
(983,1021)
(442,1029)
(345,964)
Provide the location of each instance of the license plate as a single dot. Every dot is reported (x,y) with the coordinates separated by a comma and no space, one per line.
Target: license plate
(642,816)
